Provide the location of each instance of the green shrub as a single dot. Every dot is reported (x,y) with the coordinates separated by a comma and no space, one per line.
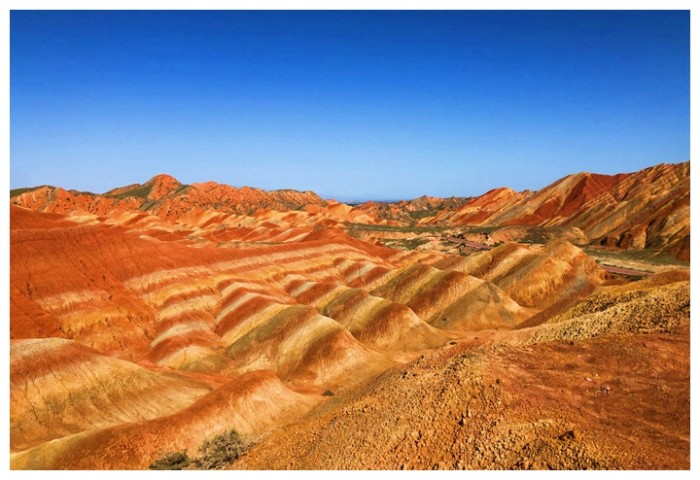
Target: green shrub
(171,461)
(221,450)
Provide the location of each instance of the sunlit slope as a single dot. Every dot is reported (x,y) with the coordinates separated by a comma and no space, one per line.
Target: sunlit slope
(371,319)
(660,303)
(451,299)
(251,404)
(535,277)
(645,209)
(166,197)
(59,387)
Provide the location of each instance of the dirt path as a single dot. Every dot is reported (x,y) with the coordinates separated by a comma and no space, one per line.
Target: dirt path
(469,243)
(624,271)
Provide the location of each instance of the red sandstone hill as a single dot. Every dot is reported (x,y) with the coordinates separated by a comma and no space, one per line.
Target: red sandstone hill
(645,209)
(409,211)
(165,197)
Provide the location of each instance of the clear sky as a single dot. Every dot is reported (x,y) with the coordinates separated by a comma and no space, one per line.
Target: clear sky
(352,105)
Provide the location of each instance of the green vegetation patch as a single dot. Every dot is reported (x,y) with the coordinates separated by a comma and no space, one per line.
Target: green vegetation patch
(539,235)
(393,228)
(406,243)
(480,229)
(141,191)
(172,461)
(418,214)
(181,189)
(82,192)
(646,255)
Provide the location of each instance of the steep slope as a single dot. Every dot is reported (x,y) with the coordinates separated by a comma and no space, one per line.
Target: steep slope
(641,210)
(149,326)
(59,387)
(645,209)
(480,209)
(303,348)
(129,296)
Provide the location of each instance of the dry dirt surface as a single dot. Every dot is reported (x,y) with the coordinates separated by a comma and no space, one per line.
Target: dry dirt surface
(614,402)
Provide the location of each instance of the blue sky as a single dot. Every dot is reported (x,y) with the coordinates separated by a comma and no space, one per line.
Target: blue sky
(352,105)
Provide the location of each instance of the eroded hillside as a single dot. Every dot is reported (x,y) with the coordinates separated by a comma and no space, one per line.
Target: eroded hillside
(155,316)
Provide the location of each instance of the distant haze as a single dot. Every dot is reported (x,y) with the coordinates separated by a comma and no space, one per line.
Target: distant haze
(352,105)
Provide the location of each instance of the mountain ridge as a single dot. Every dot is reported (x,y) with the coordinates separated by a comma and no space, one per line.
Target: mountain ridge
(639,210)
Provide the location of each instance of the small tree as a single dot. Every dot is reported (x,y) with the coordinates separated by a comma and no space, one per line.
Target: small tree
(221,450)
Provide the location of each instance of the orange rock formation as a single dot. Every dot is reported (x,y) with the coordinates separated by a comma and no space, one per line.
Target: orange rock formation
(154,316)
